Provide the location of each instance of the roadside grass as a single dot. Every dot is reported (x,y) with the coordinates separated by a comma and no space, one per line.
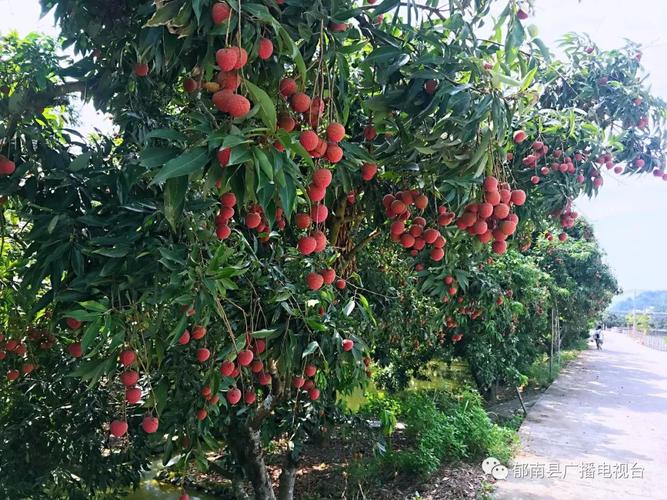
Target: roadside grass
(539,375)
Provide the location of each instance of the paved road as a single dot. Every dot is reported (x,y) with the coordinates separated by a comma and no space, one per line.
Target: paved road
(605,415)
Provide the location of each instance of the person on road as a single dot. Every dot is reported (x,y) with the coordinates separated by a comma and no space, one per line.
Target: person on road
(598,337)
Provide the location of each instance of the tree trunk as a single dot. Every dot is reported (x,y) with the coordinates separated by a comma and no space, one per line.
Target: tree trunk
(245,444)
(288,478)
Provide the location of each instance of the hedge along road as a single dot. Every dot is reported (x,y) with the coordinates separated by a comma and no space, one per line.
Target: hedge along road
(599,432)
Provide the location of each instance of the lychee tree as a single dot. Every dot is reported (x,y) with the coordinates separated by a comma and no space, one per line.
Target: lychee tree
(217,263)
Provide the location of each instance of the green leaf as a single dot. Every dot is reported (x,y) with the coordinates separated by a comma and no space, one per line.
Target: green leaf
(185,164)
(310,349)
(174,199)
(349,307)
(265,334)
(267,110)
(81,162)
(164,14)
(165,133)
(152,156)
(294,51)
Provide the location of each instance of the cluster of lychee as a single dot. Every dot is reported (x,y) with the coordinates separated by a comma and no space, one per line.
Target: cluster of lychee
(418,235)
(129,378)
(229,60)
(226,212)
(300,382)
(18,349)
(491,220)
(560,162)
(246,358)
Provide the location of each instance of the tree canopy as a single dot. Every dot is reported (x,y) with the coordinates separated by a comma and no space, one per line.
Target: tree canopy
(299,197)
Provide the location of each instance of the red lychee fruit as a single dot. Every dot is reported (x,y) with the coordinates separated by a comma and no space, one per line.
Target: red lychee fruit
(303,221)
(245,357)
(199,332)
(75,349)
(300,102)
(316,193)
(227,58)
(430,86)
(322,177)
(203,354)
(249,397)
(220,12)
(118,428)
(334,153)
(184,338)
(314,281)
(518,197)
(73,324)
(141,69)
(306,245)
(535,179)
(407,240)
(335,132)
(490,184)
(260,346)
(190,85)
(368,171)
(437,254)
(241,57)
(370,133)
(310,370)
(321,241)
(499,246)
(233,396)
(421,201)
(129,378)
(309,140)
(127,357)
(226,368)
(7,167)
(228,80)
(202,414)
(150,424)
(264,379)
(501,211)
(221,99)
(430,235)
(252,220)
(288,87)
(328,275)
(492,197)
(238,106)
(314,394)
(265,49)
(286,122)
(132,395)
(348,344)
(256,366)
(337,27)
(341,283)
(439,241)
(223,156)
(319,213)
(519,136)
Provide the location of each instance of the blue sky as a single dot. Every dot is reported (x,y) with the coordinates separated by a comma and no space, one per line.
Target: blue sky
(629,214)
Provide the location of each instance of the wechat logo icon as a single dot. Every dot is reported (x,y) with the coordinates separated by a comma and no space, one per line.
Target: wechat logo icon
(493,467)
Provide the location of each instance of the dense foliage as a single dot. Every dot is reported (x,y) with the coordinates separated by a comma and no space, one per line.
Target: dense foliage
(298,195)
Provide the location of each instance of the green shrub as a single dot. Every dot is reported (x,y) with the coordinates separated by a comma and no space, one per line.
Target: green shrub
(440,427)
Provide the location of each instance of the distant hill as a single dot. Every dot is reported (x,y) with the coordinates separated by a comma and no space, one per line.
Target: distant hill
(655,301)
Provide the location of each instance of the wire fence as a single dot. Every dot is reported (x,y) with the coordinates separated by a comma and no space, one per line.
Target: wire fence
(654,339)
